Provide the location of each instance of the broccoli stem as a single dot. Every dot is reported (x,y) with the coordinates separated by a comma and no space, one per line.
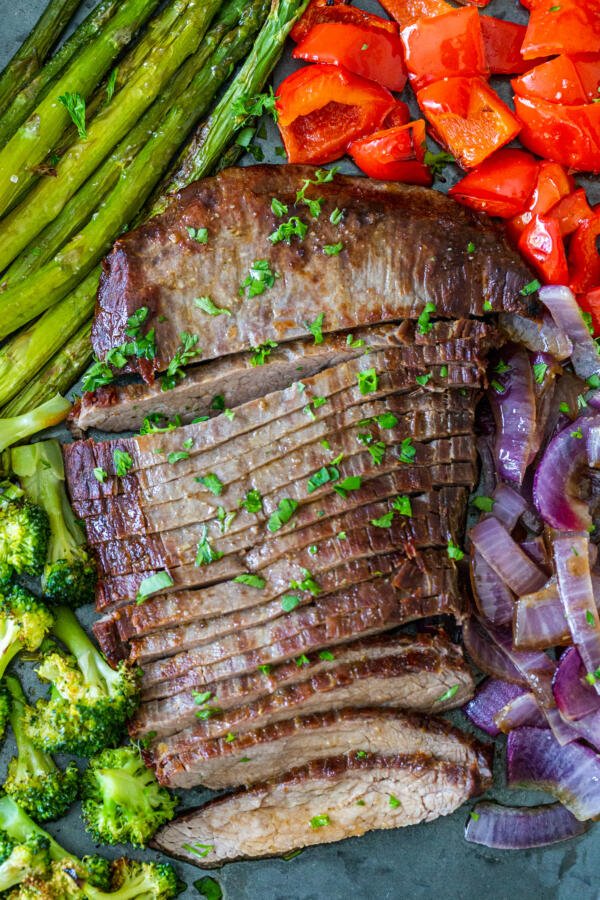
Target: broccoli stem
(94,667)
(18,428)
(19,826)
(31,761)
(9,643)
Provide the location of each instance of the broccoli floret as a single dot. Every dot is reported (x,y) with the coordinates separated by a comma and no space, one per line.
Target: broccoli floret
(24,532)
(89,701)
(17,428)
(122,800)
(31,858)
(24,623)
(69,575)
(34,780)
(4,708)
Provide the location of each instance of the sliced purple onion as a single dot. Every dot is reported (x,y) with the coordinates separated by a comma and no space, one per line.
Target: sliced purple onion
(566,312)
(535,667)
(539,620)
(509,506)
(486,655)
(572,564)
(592,445)
(570,773)
(506,558)
(574,696)
(494,600)
(512,400)
(555,487)
(535,548)
(564,732)
(492,696)
(542,337)
(521,827)
(523,710)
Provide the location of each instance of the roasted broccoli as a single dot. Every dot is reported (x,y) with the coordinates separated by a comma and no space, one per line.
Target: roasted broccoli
(16,428)
(69,574)
(24,623)
(22,860)
(4,708)
(24,532)
(34,780)
(89,702)
(122,800)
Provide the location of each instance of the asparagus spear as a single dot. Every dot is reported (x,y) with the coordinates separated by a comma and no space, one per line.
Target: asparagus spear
(219,128)
(31,296)
(80,207)
(36,137)
(57,376)
(32,53)
(27,98)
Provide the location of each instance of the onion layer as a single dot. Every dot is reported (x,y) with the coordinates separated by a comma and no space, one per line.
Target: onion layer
(505,556)
(492,696)
(523,710)
(566,312)
(521,827)
(512,400)
(571,560)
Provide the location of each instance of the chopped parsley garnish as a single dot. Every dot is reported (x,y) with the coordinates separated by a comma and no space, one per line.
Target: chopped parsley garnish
(351,483)
(316,328)
(111,84)
(485,504)
(294,227)
(377,451)
(361,754)
(177,456)
(336,216)
(423,379)
(218,403)
(265,669)
(474,815)
(487,306)
(394,802)
(152,424)
(326,655)
(564,408)
(188,443)
(367,381)
(386,420)
(402,505)
(320,821)
(100,474)
(384,521)
(151,585)
(577,434)
(140,346)
(321,177)
(212,483)
(354,343)
(317,402)
(407,451)
(589,618)
(437,161)
(323,476)
(186,351)
(471,247)
(424,325)
(260,278)
(342,536)
(229,414)
(123,462)
(308,583)
(278,208)
(74,104)
(454,552)
(200,850)
(501,367)
(201,697)
(224,518)
(530,288)
(539,371)
(206,553)
(284,512)
(252,502)
(254,581)
(207,306)
(247,107)
(444,372)
(594,381)
(260,353)
(230,737)
(448,695)
(289,602)
(593,677)
(209,888)
(200,235)
(499,388)
(333,249)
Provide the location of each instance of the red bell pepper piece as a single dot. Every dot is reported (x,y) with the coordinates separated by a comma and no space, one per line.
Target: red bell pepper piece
(590,303)
(322,109)
(571,211)
(443,47)
(501,185)
(542,245)
(480,3)
(399,115)
(373,54)
(564,26)
(502,41)
(567,134)
(395,154)
(406,12)
(552,184)
(588,69)
(468,117)
(584,256)
(338,11)
(556,81)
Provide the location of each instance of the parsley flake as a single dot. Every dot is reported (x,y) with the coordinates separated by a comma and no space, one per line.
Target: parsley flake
(100,474)
(316,328)
(448,695)
(259,279)
(200,235)
(284,512)
(212,483)
(260,353)
(254,581)
(333,249)
(454,552)
(289,602)
(530,288)
(207,306)
(74,104)
(367,381)
(206,553)
(402,505)
(384,521)
(123,462)
(424,325)
(407,451)
(539,372)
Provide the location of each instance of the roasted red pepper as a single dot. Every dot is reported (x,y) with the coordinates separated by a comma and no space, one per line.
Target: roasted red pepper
(469,118)
(552,184)
(338,11)
(542,245)
(444,47)
(501,185)
(564,26)
(322,109)
(373,54)
(590,303)
(588,69)
(399,115)
(408,11)
(584,255)
(571,211)
(567,134)
(395,154)
(502,41)
(556,81)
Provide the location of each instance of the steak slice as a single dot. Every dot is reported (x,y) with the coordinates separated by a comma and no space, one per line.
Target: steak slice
(430,660)
(373,279)
(264,753)
(348,795)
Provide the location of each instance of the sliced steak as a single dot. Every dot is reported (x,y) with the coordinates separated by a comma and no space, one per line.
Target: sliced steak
(266,752)
(374,279)
(344,796)
(409,680)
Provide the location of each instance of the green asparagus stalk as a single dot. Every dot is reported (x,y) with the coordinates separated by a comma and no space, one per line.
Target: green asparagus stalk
(36,137)
(218,130)
(57,376)
(33,295)
(26,100)
(80,207)
(28,351)
(34,50)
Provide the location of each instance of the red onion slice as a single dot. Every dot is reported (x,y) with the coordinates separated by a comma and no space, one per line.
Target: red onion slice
(506,558)
(523,710)
(574,697)
(535,548)
(571,773)
(592,446)
(540,337)
(539,620)
(535,667)
(513,403)
(495,602)
(571,560)
(486,655)
(509,506)
(566,312)
(492,696)
(521,827)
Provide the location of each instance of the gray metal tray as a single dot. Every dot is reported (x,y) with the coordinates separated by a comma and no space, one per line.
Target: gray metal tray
(418,863)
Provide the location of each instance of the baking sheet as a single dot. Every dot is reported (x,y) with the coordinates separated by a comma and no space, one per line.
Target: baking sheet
(418,863)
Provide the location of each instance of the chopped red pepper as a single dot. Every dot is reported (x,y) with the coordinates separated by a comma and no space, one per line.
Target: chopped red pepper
(584,255)
(373,54)
(564,26)
(552,184)
(556,81)
(571,211)
(501,185)
(590,303)
(567,134)
(323,108)
(443,47)
(588,69)
(399,115)
(469,118)
(395,154)
(338,11)
(479,3)
(502,41)
(408,11)
(542,245)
